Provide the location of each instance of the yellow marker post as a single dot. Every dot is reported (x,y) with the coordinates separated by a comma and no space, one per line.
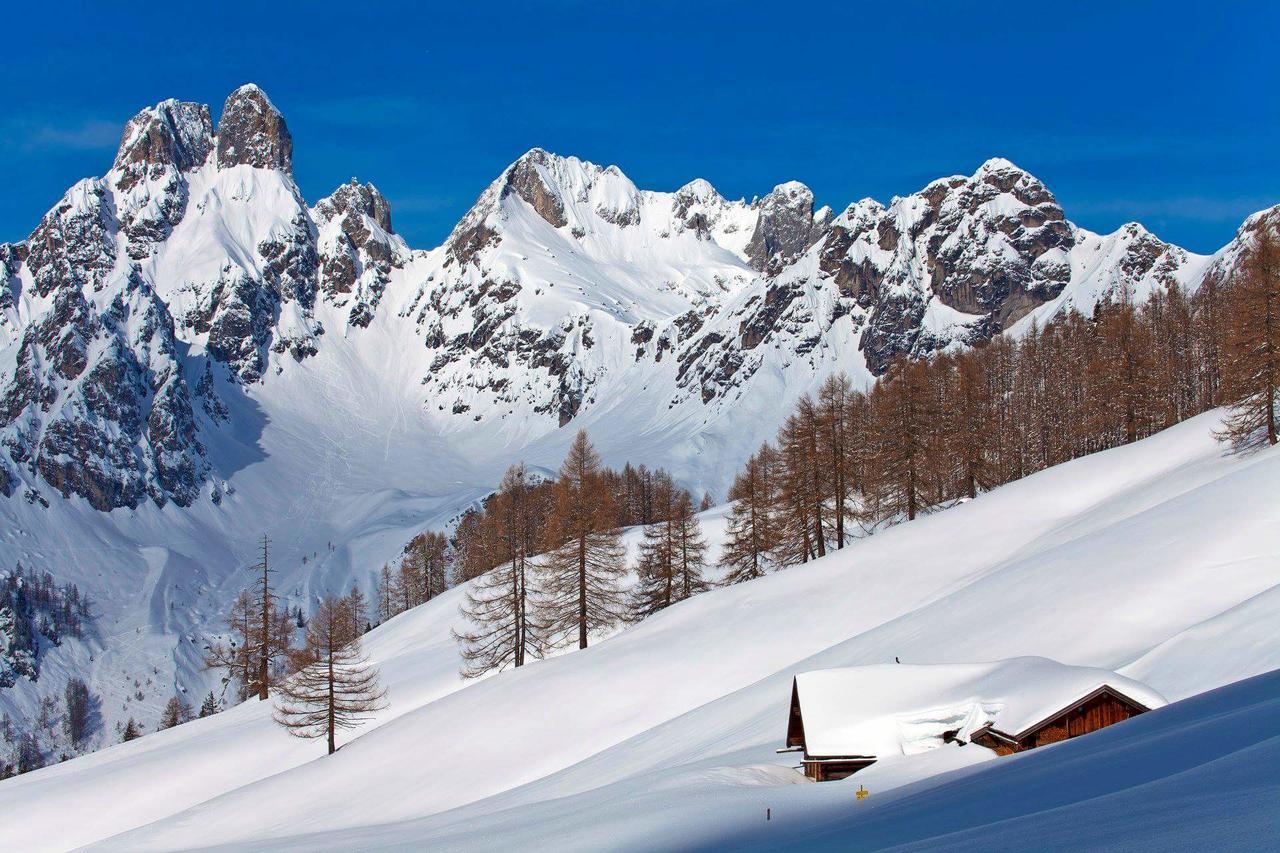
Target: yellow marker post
(862,793)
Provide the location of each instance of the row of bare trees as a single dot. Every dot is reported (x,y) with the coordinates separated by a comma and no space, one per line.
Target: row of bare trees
(519,608)
(934,431)
(423,573)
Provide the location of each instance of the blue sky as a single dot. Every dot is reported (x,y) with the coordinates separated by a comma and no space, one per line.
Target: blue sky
(1168,113)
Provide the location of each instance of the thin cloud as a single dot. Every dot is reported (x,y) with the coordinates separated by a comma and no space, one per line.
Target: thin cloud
(89,134)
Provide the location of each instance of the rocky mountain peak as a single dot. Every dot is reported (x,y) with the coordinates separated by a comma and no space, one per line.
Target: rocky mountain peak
(785,228)
(172,133)
(698,190)
(252,132)
(527,178)
(355,197)
(998,175)
(357,248)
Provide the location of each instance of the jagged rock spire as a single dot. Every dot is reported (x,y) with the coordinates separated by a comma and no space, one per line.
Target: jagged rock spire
(786,227)
(252,132)
(172,133)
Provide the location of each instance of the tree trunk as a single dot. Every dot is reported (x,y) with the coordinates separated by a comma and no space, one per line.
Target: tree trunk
(332,714)
(582,591)
(264,666)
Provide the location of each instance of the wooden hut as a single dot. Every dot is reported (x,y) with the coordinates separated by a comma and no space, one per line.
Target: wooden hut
(827,763)
(1102,707)
(844,720)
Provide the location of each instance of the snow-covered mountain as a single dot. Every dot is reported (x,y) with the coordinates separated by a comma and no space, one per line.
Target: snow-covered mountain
(191,354)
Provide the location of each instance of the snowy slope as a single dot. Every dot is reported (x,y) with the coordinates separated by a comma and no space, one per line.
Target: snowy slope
(668,729)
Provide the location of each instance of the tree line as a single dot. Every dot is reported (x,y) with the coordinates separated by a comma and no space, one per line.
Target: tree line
(932,432)
(846,462)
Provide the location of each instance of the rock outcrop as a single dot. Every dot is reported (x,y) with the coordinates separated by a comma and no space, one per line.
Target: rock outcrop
(252,132)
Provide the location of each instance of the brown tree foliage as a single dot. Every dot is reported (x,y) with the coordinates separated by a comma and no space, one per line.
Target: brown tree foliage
(1250,371)
(339,687)
(931,432)
(505,628)
(579,577)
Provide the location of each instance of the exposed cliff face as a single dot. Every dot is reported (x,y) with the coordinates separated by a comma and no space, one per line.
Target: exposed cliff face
(252,132)
(563,290)
(786,226)
(358,250)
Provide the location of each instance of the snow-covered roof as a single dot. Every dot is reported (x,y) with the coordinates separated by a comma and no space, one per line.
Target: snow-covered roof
(897,709)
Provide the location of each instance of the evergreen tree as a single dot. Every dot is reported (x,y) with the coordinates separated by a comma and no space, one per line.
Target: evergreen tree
(656,585)
(689,556)
(176,712)
(130,731)
(749,534)
(79,708)
(210,706)
(27,755)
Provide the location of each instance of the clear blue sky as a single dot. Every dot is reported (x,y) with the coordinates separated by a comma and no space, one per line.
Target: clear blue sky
(1168,113)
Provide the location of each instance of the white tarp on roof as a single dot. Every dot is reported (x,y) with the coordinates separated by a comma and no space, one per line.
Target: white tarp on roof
(897,709)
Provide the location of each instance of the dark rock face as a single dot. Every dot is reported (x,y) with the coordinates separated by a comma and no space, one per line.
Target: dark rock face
(1005,285)
(173,133)
(785,228)
(159,146)
(111,421)
(526,181)
(251,132)
(73,245)
(238,315)
(12,257)
(357,256)
(990,247)
(352,201)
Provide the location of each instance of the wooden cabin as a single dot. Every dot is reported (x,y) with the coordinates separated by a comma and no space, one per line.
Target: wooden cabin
(1103,707)
(823,766)
(845,719)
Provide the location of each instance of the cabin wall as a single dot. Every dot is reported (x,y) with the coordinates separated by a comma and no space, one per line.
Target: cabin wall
(1097,713)
(829,771)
